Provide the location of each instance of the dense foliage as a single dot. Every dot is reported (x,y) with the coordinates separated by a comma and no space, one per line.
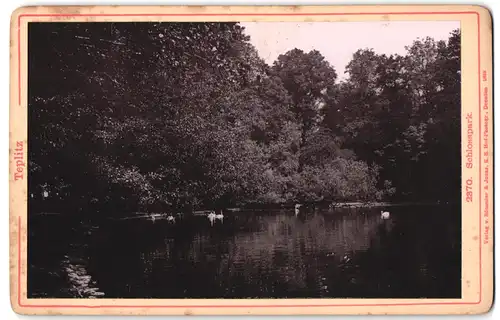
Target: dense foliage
(159,116)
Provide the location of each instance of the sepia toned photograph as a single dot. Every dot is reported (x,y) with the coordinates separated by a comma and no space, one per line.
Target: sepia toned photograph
(244,160)
(254,160)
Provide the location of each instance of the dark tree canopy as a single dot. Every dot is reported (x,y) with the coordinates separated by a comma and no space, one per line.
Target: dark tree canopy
(152,116)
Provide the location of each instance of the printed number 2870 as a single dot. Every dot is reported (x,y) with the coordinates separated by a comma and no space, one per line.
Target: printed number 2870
(468,190)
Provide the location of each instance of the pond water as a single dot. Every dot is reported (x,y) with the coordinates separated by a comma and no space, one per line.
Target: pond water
(339,253)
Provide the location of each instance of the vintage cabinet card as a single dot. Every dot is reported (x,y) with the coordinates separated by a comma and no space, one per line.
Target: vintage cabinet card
(251,160)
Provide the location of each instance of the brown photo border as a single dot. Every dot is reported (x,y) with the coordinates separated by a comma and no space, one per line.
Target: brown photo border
(477,215)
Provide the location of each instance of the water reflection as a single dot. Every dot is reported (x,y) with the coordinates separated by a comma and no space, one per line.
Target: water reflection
(80,283)
(345,253)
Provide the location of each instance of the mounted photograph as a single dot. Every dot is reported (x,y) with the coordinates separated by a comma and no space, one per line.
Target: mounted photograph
(197,161)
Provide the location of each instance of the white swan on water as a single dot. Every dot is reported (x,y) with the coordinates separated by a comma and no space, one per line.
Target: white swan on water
(385,215)
(219,216)
(297,209)
(211,216)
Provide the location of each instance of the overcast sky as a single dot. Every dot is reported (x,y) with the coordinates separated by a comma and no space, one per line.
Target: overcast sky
(337,41)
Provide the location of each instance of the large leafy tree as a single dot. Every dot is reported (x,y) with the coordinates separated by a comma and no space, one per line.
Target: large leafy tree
(401,113)
(137,110)
(307,77)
